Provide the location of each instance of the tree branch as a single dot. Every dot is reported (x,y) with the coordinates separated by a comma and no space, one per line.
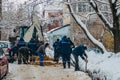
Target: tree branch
(99,13)
(103,2)
(84,28)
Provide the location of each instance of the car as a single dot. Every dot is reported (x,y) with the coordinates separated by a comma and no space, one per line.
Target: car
(6,46)
(3,64)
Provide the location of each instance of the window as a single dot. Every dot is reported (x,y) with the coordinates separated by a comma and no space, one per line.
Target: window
(84,7)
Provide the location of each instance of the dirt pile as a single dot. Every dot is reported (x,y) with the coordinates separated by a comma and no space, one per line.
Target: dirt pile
(47,61)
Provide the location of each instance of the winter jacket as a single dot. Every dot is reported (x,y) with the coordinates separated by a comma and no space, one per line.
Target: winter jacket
(21,43)
(71,44)
(65,46)
(24,51)
(41,49)
(79,50)
(56,46)
(13,50)
(32,45)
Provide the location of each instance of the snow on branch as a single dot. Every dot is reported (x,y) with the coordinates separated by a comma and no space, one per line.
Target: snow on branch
(118,12)
(118,7)
(103,2)
(100,14)
(118,4)
(84,28)
(113,1)
(93,3)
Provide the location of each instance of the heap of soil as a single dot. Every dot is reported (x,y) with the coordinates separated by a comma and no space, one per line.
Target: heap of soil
(47,61)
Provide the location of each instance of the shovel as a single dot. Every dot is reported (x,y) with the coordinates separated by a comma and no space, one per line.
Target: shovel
(86,66)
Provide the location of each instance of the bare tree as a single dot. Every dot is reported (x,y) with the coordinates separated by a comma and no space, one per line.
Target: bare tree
(113,10)
(113,27)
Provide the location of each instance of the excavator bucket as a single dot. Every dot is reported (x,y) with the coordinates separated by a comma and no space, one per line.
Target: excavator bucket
(28,34)
(36,24)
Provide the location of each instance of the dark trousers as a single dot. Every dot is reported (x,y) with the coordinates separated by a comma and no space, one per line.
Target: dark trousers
(25,59)
(76,62)
(19,58)
(56,56)
(22,57)
(41,58)
(66,59)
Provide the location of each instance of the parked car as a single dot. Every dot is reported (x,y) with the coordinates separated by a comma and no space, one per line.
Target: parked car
(6,46)
(3,64)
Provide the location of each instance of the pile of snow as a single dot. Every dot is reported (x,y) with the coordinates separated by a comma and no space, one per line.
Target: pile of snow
(103,66)
(49,52)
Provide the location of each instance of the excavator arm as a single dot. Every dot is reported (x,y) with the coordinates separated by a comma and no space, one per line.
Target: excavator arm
(36,24)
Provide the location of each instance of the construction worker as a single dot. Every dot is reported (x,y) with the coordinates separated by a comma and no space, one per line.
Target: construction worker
(79,51)
(56,46)
(65,51)
(32,45)
(41,52)
(12,53)
(24,53)
(21,43)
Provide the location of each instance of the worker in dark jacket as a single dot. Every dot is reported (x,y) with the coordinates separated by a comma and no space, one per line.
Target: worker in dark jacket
(79,51)
(41,52)
(24,53)
(65,51)
(12,53)
(72,44)
(21,43)
(32,45)
(56,46)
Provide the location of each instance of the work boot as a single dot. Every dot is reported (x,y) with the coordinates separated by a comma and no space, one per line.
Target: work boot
(68,64)
(19,61)
(64,66)
(77,69)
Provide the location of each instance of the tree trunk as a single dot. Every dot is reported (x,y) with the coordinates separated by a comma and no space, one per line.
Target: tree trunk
(116,32)
(116,41)
(115,29)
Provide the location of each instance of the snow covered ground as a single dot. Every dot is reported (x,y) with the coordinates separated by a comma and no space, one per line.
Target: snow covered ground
(36,72)
(100,66)
(103,66)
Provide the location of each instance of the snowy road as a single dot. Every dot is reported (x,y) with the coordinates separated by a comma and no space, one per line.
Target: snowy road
(35,72)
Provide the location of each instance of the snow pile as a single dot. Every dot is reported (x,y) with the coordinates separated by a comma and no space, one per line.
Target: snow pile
(100,66)
(49,52)
(103,66)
